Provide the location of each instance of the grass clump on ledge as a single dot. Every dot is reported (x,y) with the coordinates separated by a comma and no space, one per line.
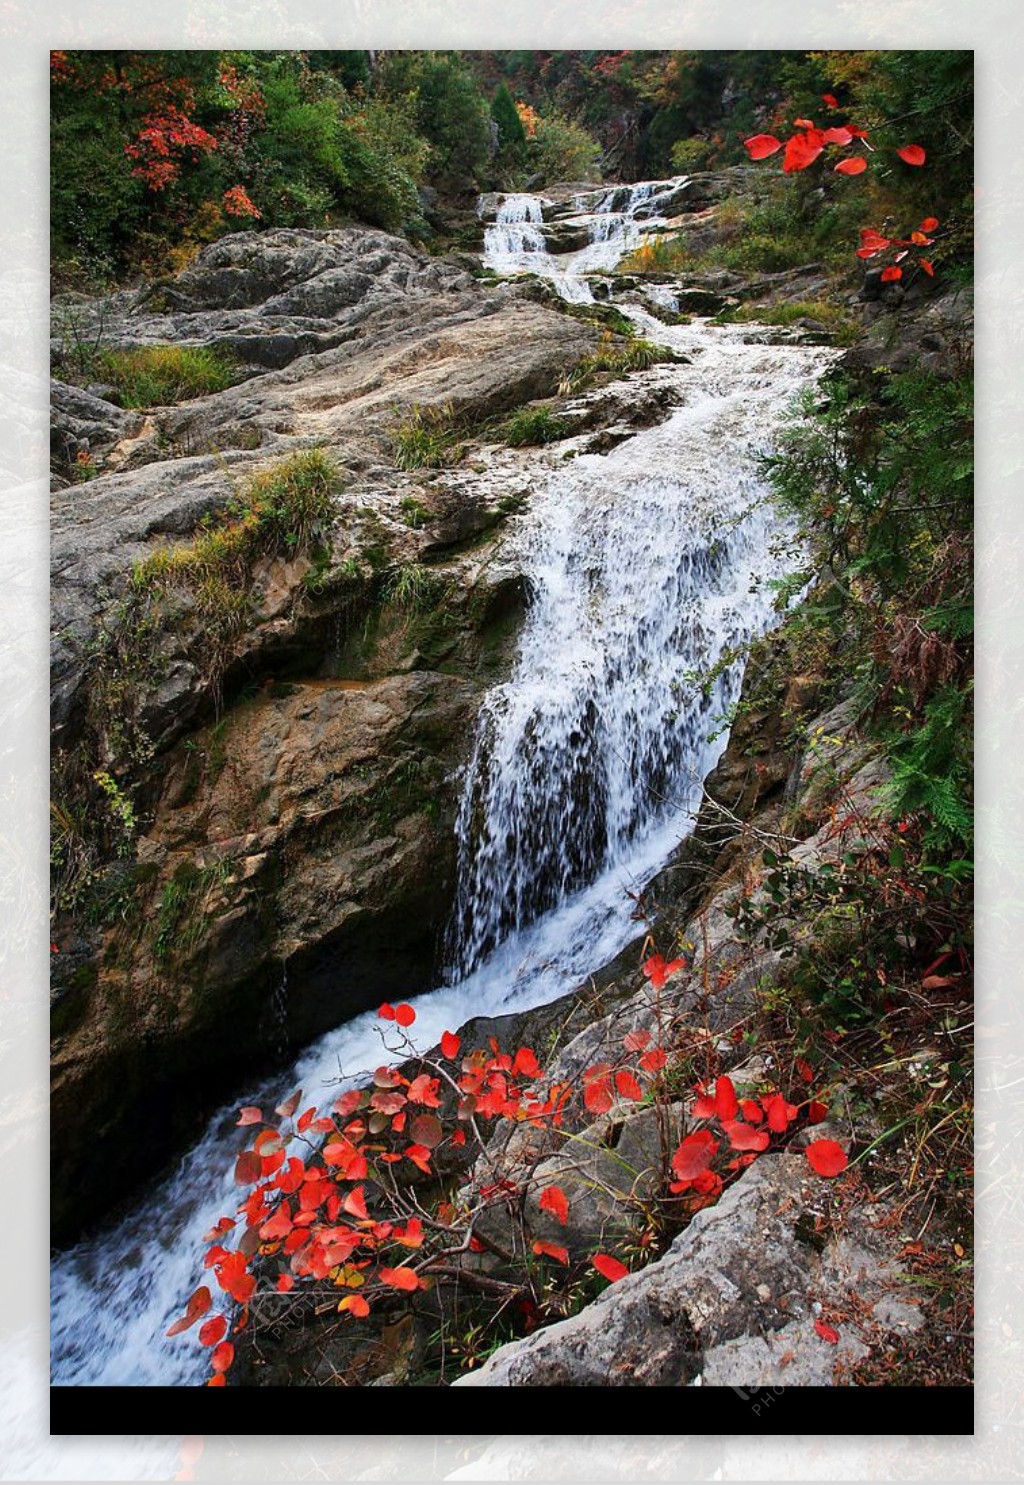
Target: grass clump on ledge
(427,438)
(614,360)
(285,508)
(534,425)
(160,375)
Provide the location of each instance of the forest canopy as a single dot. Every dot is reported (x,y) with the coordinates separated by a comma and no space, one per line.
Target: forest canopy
(156,153)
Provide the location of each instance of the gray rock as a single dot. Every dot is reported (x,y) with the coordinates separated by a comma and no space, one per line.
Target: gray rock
(734,1300)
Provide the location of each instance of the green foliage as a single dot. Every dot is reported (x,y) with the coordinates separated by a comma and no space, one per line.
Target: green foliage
(159,375)
(427,438)
(534,425)
(512,145)
(562,149)
(180,921)
(612,359)
(411,586)
(451,112)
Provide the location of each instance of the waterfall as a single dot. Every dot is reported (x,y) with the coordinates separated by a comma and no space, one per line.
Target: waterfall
(646,566)
(620,221)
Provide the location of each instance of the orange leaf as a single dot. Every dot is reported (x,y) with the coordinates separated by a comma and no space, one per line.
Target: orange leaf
(250,1115)
(400,1278)
(826,1157)
(223,1356)
(929,224)
(830,99)
(912,154)
(653,1060)
(658,969)
(890,274)
(450,1044)
(854,166)
(927,267)
(553,1200)
(552,1250)
(611,1268)
(217,1381)
(356,1305)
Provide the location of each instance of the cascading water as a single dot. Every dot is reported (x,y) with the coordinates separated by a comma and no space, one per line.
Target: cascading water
(515,243)
(645,565)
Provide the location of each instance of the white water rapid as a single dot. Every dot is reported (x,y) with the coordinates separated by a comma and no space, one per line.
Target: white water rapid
(515,242)
(645,565)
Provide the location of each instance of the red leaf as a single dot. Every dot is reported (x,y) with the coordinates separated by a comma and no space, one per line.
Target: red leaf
(802,150)
(553,1200)
(450,1044)
(525,1063)
(871,242)
(355,1204)
(805,1069)
(760,146)
(250,1115)
(597,1088)
(694,1155)
(628,1085)
(927,267)
(854,166)
(929,225)
(803,123)
(248,1168)
(404,1015)
(426,1130)
(420,1157)
(400,1278)
(816,1111)
(891,273)
(458,1137)
(424,1090)
(658,969)
(826,1332)
(726,1105)
(830,99)
(654,1060)
(386,1012)
(197,1306)
(279,1226)
(637,1040)
(213,1331)
(704,1106)
(742,1137)
(611,1268)
(348,1102)
(912,154)
(223,1356)
(826,1157)
(551,1250)
(285,1282)
(217,1381)
(751,1110)
(780,1113)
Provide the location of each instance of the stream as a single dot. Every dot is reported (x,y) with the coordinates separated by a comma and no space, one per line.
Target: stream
(645,565)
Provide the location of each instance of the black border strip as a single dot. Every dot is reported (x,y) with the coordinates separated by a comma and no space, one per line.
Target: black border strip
(936,1411)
